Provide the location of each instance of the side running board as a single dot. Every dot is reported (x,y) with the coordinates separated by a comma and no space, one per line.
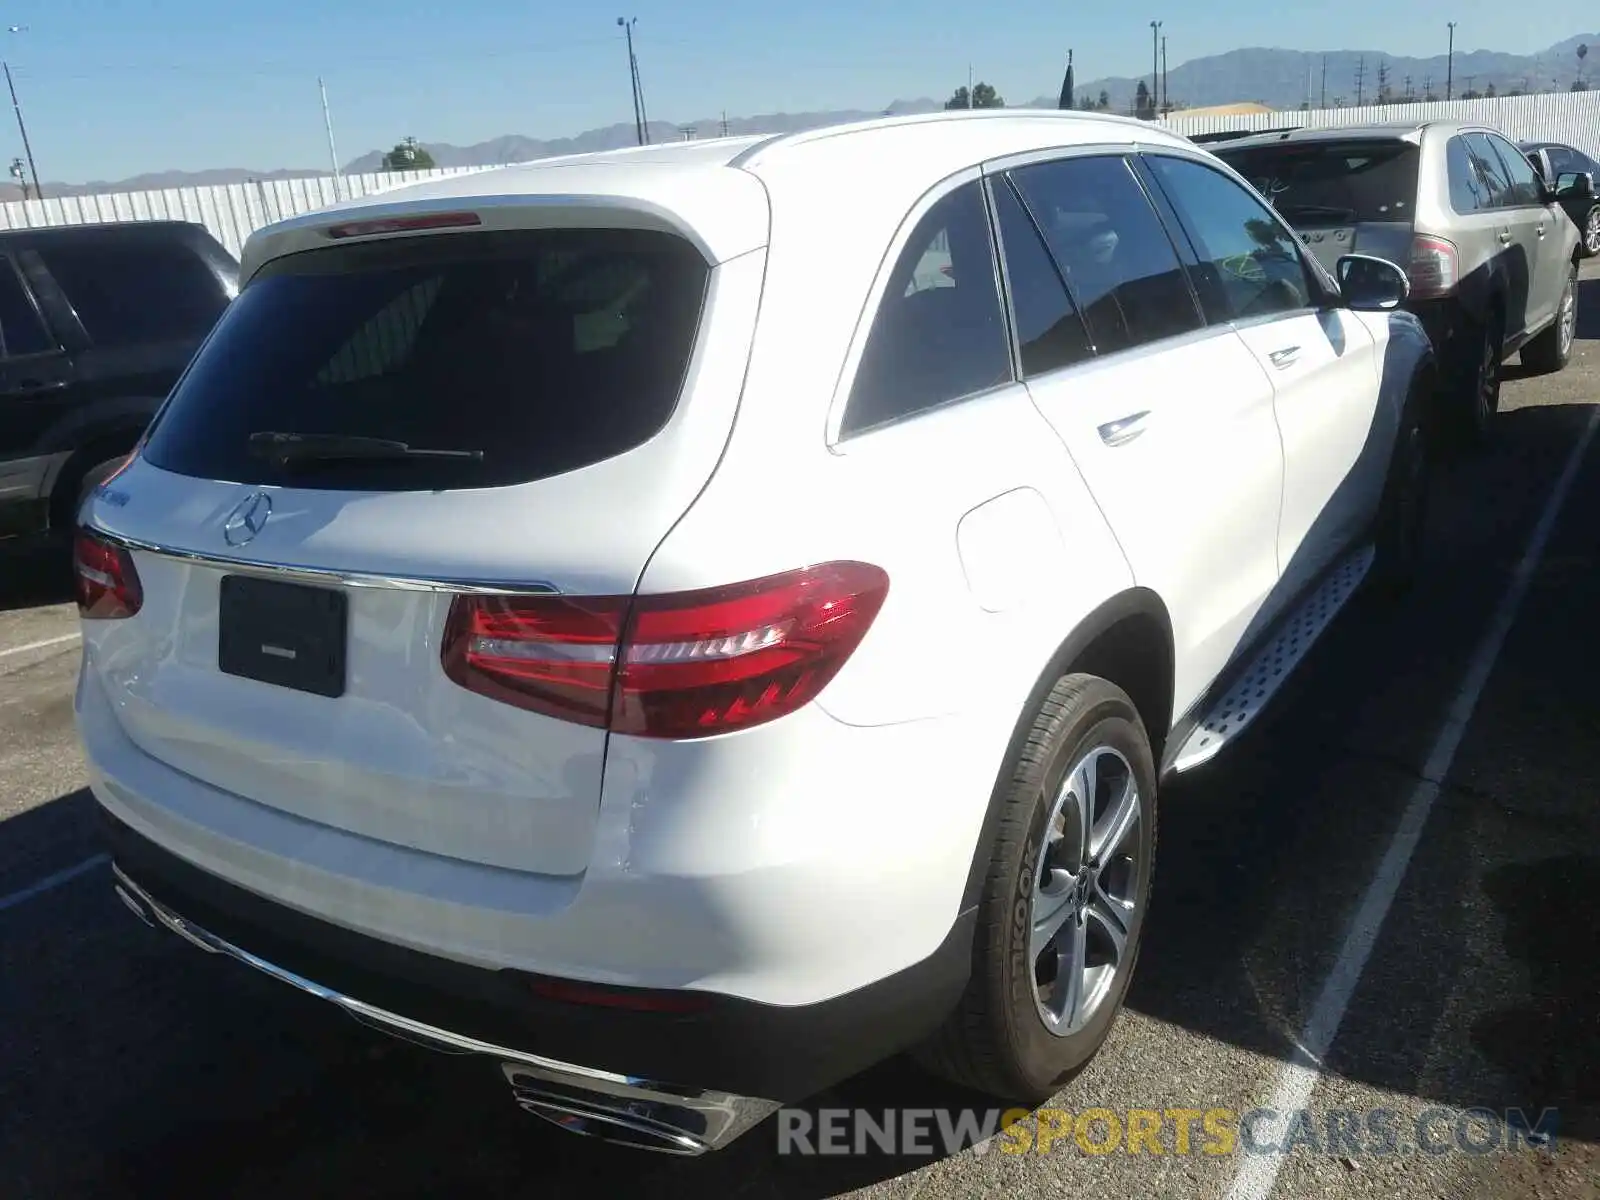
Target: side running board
(1254,689)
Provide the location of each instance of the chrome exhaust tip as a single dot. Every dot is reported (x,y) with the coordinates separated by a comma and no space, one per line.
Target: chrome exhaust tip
(133,905)
(637,1114)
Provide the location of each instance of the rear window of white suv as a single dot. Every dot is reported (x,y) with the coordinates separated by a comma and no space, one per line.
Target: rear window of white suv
(503,356)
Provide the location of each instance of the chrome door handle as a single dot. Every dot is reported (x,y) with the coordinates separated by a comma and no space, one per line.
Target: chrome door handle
(1541,228)
(1124,429)
(1505,237)
(1285,357)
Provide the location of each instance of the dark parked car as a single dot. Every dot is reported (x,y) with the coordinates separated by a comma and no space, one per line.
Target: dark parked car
(1553,160)
(96,324)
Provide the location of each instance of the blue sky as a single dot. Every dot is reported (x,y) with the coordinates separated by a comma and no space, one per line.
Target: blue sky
(113,88)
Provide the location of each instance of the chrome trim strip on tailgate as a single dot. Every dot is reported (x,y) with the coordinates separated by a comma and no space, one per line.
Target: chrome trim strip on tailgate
(354,579)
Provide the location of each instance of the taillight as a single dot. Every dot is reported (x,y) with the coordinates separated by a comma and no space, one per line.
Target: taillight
(687,664)
(1433,267)
(449,220)
(107,583)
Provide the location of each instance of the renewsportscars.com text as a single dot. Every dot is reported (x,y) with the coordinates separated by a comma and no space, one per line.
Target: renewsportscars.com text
(1171,1131)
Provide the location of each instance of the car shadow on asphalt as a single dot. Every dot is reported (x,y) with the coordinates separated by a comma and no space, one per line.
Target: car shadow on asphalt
(34,576)
(135,1066)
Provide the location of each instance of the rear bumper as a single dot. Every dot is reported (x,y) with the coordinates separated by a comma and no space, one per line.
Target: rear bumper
(730,1063)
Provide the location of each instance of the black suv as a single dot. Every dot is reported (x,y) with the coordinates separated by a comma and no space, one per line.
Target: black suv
(96,324)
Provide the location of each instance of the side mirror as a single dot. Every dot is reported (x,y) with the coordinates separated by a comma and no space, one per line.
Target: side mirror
(1578,184)
(1368,284)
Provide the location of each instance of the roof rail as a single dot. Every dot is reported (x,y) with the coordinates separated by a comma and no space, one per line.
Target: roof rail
(817,133)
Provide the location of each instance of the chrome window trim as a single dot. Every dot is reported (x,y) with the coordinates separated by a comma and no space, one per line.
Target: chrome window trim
(326,575)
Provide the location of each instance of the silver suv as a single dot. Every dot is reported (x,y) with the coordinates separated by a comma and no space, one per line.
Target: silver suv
(1491,255)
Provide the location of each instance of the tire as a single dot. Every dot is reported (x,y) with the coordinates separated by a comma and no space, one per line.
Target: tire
(1589,245)
(1551,351)
(1476,396)
(1403,509)
(999,1041)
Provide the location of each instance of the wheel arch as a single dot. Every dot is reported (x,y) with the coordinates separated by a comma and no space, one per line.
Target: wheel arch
(1127,640)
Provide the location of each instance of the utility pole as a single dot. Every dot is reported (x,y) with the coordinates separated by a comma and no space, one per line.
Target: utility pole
(1450,63)
(1383,82)
(1166,96)
(1324,103)
(1467,95)
(969,85)
(38,188)
(633,78)
(1155,65)
(1361,79)
(333,151)
(724,122)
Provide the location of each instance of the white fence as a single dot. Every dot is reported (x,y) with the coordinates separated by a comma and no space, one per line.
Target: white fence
(1570,117)
(233,211)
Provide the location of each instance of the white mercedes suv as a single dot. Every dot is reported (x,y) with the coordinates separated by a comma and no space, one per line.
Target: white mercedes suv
(691,622)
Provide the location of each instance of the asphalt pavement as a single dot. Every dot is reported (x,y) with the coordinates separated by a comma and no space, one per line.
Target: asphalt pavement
(1337,872)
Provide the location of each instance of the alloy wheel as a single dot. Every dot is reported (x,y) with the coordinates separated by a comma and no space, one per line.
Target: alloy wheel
(1591,232)
(1567,326)
(1084,900)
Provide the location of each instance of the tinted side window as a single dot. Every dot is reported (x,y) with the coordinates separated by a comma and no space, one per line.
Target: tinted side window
(1250,265)
(131,293)
(1524,179)
(939,333)
(1112,249)
(1492,174)
(1049,330)
(1468,192)
(21,330)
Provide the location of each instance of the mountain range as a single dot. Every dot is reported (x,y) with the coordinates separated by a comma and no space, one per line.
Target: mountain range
(1281,79)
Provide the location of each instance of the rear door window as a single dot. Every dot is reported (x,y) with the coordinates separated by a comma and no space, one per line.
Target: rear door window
(1112,249)
(546,351)
(1490,171)
(134,291)
(1050,333)
(1468,190)
(1332,183)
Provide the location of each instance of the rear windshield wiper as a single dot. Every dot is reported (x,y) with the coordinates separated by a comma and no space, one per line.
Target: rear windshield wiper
(286,449)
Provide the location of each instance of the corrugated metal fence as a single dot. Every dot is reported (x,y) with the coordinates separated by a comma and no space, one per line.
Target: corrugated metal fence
(1570,117)
(232,211)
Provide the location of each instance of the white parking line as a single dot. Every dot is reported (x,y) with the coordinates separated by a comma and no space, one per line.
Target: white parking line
(66,875)
(48,642)
(1297,1079)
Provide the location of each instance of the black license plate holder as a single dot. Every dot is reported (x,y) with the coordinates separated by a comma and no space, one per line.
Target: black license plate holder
(289,635)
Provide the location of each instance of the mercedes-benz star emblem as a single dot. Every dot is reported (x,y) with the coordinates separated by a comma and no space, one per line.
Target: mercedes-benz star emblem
(247,518)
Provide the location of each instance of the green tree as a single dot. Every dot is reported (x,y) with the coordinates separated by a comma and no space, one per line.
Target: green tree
(1143,106)
(408,156)
(1103,101)
(983,96)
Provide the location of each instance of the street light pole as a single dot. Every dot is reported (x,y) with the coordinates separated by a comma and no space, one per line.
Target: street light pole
(1450,62)
(633,79)
(38,188)
(1155,66)
(333,151)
